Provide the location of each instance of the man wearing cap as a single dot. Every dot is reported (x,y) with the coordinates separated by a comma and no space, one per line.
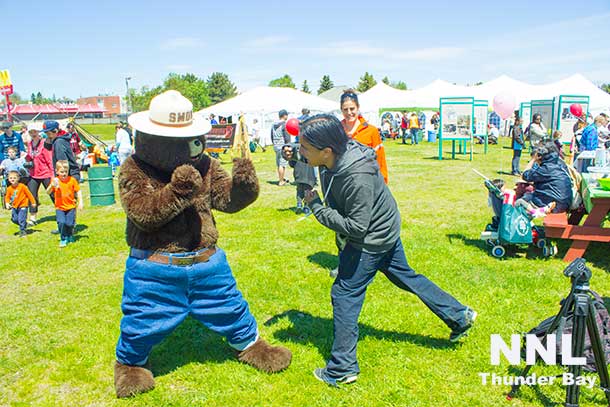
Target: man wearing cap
(168,189)
(279,138)
(58,141)
(8,138)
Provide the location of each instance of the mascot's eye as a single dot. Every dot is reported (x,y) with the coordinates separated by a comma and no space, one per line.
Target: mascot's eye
(196,147)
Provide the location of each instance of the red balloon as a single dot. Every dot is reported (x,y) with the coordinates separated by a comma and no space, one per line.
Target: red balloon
(292,126)
(576,109)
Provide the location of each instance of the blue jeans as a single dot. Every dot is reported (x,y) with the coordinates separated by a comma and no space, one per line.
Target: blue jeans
(356,271)
(158,297)
(65,222)
(19,217)
(413,135)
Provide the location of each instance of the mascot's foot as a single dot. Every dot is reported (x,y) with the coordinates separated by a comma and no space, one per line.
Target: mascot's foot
(132,380)
(269,359)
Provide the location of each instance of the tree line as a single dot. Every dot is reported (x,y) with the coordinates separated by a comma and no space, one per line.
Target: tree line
(216,88)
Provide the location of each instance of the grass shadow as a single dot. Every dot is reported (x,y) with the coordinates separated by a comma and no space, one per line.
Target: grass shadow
(79,227)
(45,219)
(308,329)
(324,259)
(537,389)
(195,343)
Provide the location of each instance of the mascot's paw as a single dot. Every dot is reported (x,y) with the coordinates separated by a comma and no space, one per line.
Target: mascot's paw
(269,359)
(186,180)
(243,171)
(132,380)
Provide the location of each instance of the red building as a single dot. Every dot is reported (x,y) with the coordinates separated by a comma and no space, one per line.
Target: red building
(110,104)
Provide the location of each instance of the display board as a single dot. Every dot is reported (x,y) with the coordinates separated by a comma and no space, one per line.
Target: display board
(564,120)
(545,108)
(220,138)
(525,113)
(480,121)
(456,123)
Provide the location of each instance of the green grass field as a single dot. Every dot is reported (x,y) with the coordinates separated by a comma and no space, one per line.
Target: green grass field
(60,309)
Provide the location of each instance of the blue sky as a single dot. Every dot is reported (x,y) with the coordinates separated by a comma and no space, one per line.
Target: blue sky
(86,48)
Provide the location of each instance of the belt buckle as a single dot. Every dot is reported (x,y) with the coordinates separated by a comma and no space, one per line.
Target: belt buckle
(182,261)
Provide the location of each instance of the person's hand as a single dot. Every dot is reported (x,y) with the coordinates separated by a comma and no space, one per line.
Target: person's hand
(8,205)
(33,205)
(80,206)
(310,195)
(56,182)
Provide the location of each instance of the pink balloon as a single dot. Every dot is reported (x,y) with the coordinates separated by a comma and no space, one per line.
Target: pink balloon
(292,126)
(576,109)
(504,105)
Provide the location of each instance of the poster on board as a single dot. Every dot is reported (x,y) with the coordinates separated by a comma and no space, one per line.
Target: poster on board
(457,120)
(220,138)
(480,120)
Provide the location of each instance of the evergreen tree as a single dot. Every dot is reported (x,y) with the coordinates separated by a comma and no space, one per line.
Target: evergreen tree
(399,85)
(325,84)
(386,80)
(605,87)
(366,82)
(305,87)
(283,82)
(220,87)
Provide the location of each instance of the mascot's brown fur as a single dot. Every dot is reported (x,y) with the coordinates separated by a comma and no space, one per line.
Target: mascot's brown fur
(168,195)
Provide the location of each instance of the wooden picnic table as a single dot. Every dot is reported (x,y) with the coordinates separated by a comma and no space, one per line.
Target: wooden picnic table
(597,204)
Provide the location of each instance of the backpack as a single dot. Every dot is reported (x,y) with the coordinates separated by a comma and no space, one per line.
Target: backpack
(566,326)
(575,180)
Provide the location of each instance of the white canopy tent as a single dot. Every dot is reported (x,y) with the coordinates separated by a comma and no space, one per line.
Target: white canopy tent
(263,103)
(428,96)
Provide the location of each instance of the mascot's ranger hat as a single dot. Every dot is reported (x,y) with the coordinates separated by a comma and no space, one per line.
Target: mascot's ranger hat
(170,115)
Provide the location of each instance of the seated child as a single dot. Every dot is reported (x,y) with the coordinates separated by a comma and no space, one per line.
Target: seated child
(14,163)
(499,195)
(17,198)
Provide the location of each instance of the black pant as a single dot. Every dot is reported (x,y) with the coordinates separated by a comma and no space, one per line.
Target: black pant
(34,185)
(301,188)
(516,158)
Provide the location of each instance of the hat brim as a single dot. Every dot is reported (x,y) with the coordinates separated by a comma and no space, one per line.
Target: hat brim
(141,122)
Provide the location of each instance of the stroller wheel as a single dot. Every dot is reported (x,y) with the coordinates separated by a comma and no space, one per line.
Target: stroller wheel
(541,243)
(498,251)
(549,251)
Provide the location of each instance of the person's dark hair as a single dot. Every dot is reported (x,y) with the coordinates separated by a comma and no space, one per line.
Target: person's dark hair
(545,148)
(325,130)
(349,94)
(535,116)
(305,111)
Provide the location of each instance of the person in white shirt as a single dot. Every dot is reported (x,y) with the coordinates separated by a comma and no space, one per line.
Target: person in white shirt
(123,143)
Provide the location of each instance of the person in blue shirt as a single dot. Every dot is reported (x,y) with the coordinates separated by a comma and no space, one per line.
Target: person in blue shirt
(10,138)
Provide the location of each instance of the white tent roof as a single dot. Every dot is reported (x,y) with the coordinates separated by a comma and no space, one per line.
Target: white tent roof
(429,95)
(264,100)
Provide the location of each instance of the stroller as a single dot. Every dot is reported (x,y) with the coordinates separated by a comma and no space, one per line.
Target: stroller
(511,225)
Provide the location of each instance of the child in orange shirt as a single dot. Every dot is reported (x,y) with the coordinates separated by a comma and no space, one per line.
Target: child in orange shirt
(65,188)
(17,198)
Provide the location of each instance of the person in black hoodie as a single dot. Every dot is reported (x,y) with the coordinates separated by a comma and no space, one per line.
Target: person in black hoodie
(359,207)
(58,141)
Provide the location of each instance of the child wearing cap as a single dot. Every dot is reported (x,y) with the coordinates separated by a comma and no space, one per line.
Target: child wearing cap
(17,198)
(65,189)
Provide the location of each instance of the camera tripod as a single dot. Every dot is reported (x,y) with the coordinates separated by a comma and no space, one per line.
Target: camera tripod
(580,302)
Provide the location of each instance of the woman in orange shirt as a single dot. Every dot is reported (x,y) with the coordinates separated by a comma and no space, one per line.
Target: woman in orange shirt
(357,128)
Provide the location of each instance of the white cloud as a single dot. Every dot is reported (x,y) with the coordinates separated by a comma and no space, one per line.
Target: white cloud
(181,42)
(267,42)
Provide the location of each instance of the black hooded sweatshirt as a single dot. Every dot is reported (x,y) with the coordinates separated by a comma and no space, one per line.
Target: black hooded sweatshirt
(359,205)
